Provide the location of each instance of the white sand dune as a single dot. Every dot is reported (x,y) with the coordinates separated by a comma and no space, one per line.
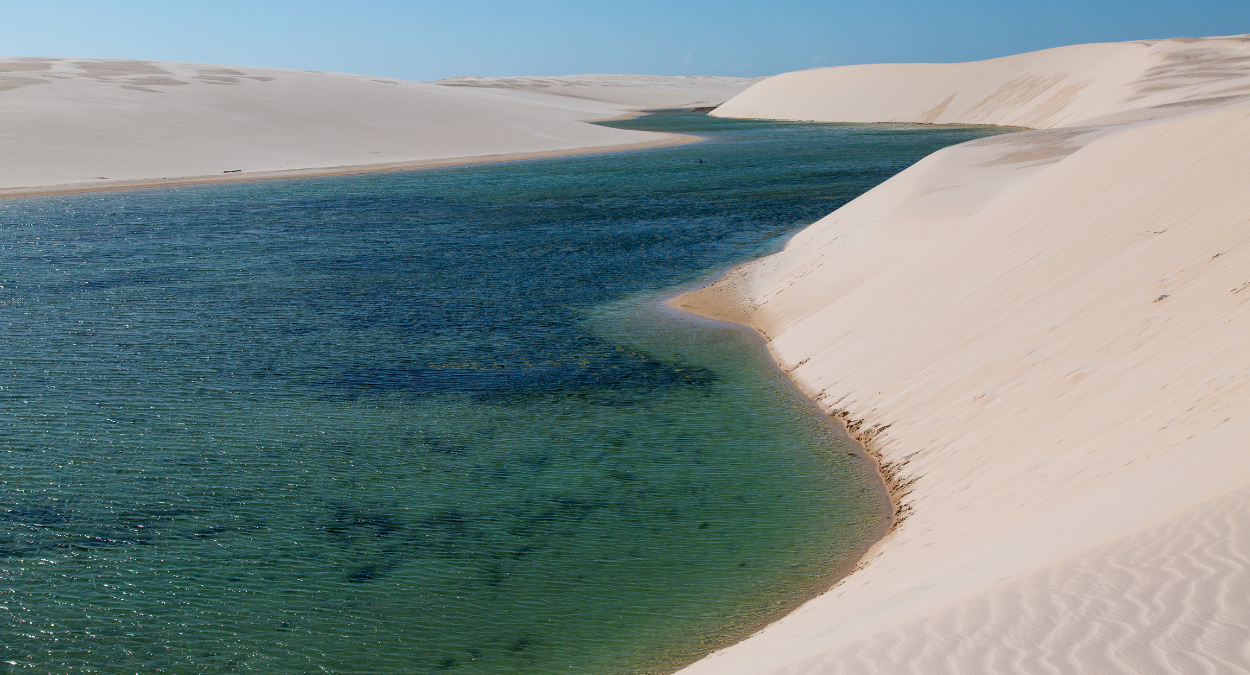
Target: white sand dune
(68,124)
(595,97)
(1086,615)
(1050,88)
(1042,335)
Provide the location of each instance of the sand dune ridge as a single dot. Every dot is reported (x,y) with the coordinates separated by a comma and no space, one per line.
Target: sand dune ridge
(70,124)
(1044,333)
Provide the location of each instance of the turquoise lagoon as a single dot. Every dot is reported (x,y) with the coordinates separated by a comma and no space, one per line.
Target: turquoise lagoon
(421,422)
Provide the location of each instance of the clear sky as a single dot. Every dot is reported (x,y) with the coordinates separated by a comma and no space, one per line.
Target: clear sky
(423,40)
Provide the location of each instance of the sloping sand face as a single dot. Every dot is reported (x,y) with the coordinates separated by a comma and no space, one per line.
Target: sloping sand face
(1051,88)
(588,97)
(1042,337)
(75,123)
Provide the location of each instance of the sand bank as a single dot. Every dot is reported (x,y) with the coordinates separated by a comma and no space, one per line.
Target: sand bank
(602,97)
(69,125)
(1042,335)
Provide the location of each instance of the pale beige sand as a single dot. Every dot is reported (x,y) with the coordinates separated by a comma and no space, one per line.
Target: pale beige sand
(1086,615)
(73,124)
(1055,87)
(595,97)
(1043,336)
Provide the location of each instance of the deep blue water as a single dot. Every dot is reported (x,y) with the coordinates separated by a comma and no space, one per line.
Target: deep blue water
(431,421)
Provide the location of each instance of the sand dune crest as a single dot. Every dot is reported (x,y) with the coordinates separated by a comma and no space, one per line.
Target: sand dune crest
(1044,330)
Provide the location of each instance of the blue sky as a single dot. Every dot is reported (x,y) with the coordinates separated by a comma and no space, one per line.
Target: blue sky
(429,40)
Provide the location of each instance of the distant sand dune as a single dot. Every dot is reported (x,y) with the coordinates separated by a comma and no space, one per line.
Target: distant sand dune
(613,94)
(74,124)
(1043,337)
(1051,88)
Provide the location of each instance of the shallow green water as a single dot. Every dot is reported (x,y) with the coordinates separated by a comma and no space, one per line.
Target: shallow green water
(420,422)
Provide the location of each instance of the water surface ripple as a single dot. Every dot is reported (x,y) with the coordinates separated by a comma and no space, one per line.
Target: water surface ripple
(418,422)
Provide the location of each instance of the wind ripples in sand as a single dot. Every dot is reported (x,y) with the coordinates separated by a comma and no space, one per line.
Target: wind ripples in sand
(1167,600)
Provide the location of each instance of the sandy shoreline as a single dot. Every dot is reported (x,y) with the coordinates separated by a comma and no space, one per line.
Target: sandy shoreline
(838,575)
(75,125)
(287,174)
(713,304)
(1039,333)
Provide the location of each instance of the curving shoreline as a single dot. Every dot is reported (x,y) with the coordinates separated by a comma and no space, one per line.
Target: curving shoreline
(349,170)
(1039,331)
(83,125)
(712,305)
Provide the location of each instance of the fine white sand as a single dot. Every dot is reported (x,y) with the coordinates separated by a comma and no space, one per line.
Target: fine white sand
(70,124)
(598,97)
(1043,337)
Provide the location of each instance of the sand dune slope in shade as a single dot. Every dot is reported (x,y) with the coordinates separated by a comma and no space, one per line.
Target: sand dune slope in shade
(1042,336)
